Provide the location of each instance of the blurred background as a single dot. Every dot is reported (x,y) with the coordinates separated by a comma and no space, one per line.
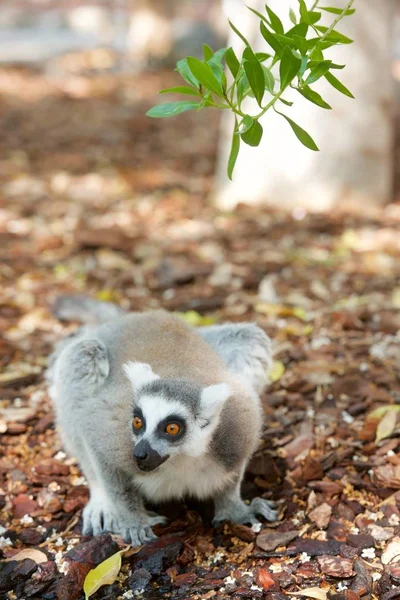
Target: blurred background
(95,195)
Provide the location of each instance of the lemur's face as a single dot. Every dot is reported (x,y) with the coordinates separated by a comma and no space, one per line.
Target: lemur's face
(171,417)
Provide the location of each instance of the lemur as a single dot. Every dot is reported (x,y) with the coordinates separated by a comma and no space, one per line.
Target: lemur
(154,410)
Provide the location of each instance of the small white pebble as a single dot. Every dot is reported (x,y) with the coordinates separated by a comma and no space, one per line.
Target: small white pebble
(26,520)
(375,516)
(368,553)
(255,588)
(310,413)
(304,557)
(376,576)
(230,580)
(127,595)
(41,529)
(364,367)
(346,417)
(53,486)
(79,481)
(256,527)
(390,453)
(394,520)
(276,568)
(354,530)
(2,530)
(341,587)
(4,542)
(59,542)
(138,592)
(17,402)
(60,455)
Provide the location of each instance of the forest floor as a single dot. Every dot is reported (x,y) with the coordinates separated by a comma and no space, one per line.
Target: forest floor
(97,199)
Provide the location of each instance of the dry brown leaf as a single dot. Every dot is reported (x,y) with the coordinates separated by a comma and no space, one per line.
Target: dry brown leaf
(312,592)
(386,426)
(36,555)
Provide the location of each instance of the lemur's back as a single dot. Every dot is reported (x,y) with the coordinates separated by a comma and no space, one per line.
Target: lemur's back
(164,341)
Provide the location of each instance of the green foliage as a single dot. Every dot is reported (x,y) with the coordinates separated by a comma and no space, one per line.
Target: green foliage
(293,59)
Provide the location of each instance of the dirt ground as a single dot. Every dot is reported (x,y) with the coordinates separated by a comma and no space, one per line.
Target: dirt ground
(95,198)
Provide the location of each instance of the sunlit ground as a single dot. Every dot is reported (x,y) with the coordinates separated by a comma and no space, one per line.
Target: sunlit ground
(98,199)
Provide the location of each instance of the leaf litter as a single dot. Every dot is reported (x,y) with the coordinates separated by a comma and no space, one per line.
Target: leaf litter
(84,209)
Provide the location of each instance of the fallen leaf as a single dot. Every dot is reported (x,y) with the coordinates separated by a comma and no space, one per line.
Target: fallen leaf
(104,574)
(313,592)
(386,426)
(269,540)
(378,413)
(276,371)
(191,317)
(336,566)
(321,515)
(36,555)
(392,552)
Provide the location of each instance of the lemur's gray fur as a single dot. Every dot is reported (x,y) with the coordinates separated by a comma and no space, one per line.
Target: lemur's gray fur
(154,368)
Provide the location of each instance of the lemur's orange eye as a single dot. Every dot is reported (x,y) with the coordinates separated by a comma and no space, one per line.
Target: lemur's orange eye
(172,429)
(137,423)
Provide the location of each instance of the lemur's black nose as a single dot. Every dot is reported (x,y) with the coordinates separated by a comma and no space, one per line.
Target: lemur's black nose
(147,459)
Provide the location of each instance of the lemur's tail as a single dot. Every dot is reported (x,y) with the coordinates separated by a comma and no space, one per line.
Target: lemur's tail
(85,310)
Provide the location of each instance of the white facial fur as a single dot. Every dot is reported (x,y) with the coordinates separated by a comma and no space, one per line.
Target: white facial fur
(139,374)
(156,408)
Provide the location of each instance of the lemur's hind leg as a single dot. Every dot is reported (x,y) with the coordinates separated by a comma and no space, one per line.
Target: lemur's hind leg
(245,349)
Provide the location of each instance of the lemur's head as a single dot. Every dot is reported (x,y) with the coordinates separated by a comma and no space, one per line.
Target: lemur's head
(171,416)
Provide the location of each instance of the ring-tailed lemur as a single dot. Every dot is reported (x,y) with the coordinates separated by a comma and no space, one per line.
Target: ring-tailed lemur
(154,409)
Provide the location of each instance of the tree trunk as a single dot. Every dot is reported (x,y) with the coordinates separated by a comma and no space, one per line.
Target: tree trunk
(355,138)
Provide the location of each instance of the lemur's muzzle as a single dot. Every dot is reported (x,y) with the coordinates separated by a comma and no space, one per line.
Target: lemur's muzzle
(147,459)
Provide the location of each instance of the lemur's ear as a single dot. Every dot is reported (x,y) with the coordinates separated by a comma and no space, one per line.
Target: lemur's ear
(212,400)
(139,374)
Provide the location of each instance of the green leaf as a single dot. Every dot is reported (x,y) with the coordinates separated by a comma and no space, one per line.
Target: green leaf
(301,44)
(286,102)
(313,17)
(246,123)
(271,39)
(303,10)
(313,96)
(104,574)
(204,74)
(289,67)
(253,135)
(262,56)
(301,30)
(276,23)
(183,69)
(334,36)
(242,89)
(318,71)
(338,85)
(256,79)
(337,11)
(285,40)
(234,150)
(181,89)
(300,133)
(248,54)
(292,16)
(207,52)
(269,80)
(259,15)
(219,56)
(170,109)
(232,62)
(239,34)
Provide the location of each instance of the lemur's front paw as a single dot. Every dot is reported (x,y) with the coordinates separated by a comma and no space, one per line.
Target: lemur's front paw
(99,516)
(247,514)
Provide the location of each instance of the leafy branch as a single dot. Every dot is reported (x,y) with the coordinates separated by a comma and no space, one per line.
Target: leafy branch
(293,59)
